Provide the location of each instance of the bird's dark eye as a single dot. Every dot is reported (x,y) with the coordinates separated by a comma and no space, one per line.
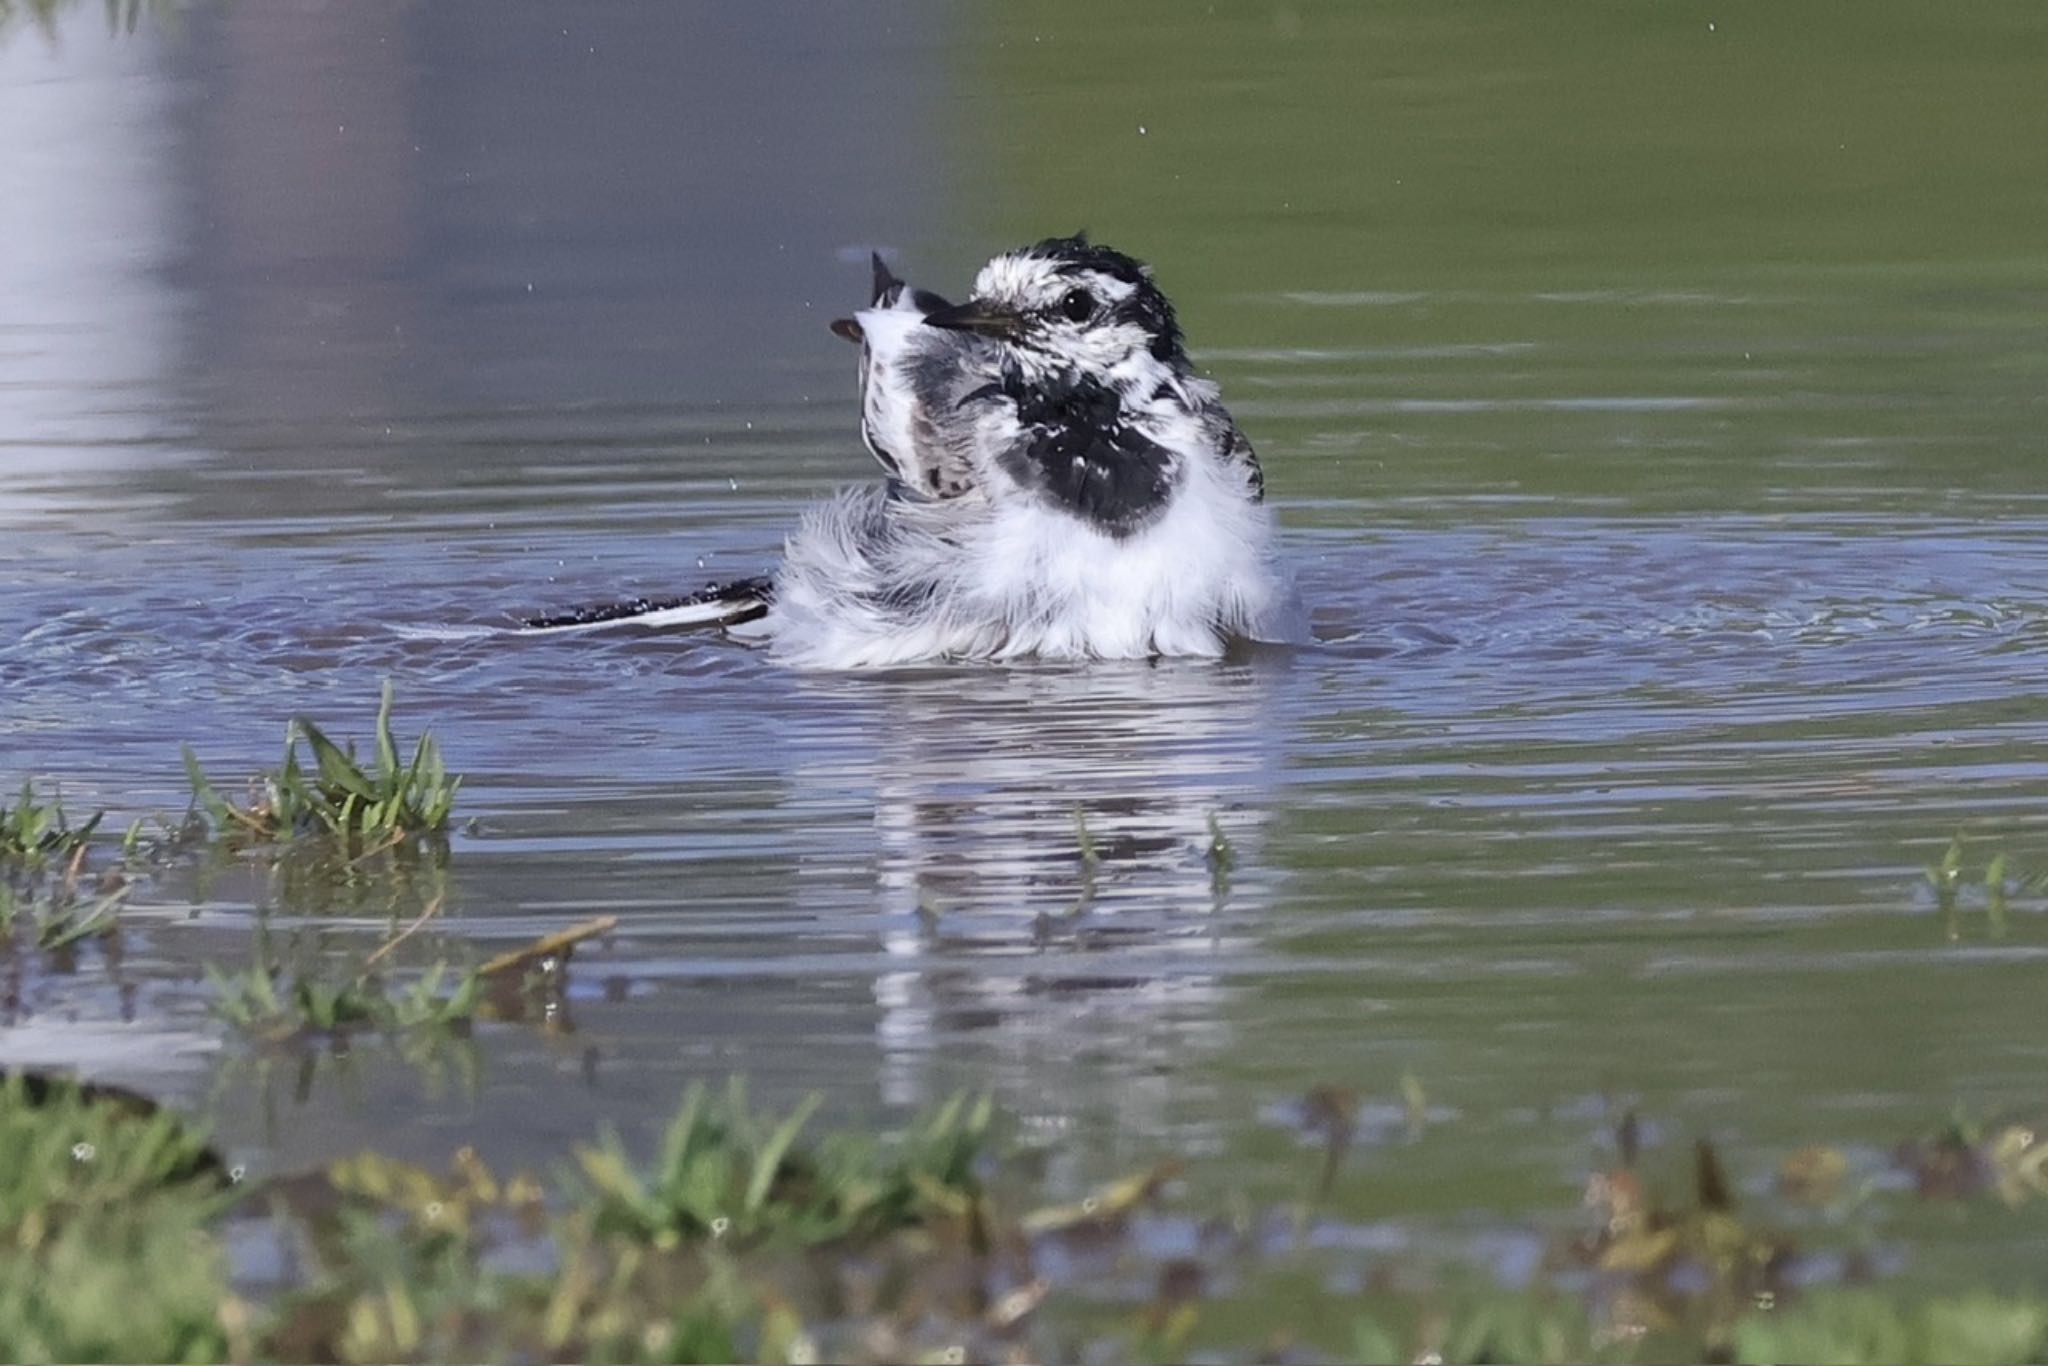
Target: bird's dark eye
(1078,305)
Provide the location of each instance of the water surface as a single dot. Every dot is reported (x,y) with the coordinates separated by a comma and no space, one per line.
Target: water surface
(1654,402)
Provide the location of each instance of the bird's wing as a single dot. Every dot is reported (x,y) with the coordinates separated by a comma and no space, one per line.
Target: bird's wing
(904,384)
(1236,447)
(945,382)
(913,381)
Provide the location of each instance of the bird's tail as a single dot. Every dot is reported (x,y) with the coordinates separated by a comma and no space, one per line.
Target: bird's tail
(719,604)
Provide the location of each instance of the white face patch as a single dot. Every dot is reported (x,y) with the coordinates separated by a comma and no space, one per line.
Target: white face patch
(1037,289)
(1027,282)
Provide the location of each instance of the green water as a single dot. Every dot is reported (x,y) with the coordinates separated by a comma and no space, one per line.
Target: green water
(1687,367)
(1655,399)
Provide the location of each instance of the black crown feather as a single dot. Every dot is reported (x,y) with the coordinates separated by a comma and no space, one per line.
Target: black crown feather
(1146,306)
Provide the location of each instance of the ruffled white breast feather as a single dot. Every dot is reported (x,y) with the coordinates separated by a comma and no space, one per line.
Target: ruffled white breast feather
(961,558)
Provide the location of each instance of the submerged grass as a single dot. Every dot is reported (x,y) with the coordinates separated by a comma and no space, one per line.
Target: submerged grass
(122,16)
(1958,888)
(55,918)
(1220,856)
(42,860)
(319,994)
(277,1005)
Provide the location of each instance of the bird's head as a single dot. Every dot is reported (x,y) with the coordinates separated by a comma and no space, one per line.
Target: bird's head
(1068,305)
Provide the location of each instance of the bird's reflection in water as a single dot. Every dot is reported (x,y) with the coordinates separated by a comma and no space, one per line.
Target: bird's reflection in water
(1047,860)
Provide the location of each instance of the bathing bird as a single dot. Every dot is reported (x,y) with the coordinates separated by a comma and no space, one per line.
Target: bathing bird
(1060,483)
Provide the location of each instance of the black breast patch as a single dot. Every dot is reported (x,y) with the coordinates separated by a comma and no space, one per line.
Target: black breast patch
(1078,449)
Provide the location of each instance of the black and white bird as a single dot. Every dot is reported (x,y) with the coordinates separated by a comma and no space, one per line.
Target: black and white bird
(1061,485)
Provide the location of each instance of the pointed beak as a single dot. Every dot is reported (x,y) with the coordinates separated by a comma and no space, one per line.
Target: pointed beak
(848,329)
(978,315)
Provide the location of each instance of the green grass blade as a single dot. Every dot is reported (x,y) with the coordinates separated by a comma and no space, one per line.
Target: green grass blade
(387,748)
(211,802)
(338,768)
(769,1160)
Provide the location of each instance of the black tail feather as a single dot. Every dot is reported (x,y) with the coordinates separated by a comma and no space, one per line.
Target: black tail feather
(748,598)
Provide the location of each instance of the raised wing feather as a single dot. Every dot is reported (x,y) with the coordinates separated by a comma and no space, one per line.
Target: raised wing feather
(912,379)
(1239,449)
(1236,447)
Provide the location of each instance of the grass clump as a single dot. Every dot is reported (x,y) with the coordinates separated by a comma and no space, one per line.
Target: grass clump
(48,901)
(278,1005)
(42,857)
(34,832)
(383,1292)
(714,1252)
(145,1283)
(327,995)
(1855,1327)
(73,1148)
(1220,856)
(1957,888)
(723,1172)
(334,795)
(743,1239)
(55,918)
(105,1249)
(1480,1326)
(1849,1327)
